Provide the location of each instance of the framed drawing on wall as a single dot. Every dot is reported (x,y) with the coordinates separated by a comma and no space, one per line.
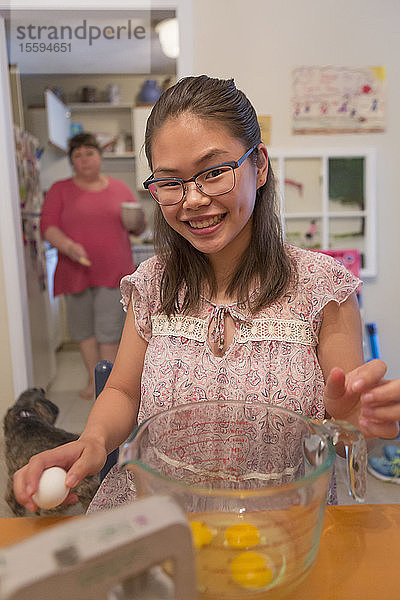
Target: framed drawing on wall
(338,100)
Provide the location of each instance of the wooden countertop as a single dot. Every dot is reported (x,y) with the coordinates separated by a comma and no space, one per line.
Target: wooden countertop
(359,554)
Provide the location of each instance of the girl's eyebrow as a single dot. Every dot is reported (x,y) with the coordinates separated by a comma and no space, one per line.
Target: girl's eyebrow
(216,153)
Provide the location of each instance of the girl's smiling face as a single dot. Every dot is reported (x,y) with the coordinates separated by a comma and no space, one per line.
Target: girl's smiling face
(212,224)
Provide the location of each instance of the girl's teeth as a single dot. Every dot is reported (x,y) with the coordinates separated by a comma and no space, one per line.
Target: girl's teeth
(209,223)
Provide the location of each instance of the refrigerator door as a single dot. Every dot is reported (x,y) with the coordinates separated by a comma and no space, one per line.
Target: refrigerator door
(31,197)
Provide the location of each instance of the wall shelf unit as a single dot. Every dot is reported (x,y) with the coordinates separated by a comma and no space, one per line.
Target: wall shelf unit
(328,200)
(112,124)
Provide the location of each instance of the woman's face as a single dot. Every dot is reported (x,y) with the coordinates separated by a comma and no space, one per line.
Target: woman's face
(212,224)
(86,161)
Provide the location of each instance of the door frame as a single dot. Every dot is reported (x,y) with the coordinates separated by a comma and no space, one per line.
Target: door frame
(10,224)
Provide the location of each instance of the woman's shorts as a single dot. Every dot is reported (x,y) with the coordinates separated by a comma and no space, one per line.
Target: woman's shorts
(95,312)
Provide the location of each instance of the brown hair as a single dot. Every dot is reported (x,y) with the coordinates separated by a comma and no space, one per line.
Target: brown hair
(265,260)
(82,139)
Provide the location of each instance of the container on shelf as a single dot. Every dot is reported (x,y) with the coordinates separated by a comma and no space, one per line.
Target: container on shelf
(120,145)
(150,92)
(88,94)
(114,94)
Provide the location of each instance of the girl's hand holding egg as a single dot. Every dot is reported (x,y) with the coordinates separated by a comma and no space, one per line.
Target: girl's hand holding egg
(52,490)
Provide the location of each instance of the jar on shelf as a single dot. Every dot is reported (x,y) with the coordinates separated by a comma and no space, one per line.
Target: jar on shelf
(150,92)
(128,142)
(120,145)
(88,94)
(114,94)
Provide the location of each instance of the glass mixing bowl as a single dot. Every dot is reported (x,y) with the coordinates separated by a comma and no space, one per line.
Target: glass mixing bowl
(253,480)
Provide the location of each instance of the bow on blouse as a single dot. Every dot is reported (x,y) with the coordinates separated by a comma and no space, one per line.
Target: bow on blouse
(217,334)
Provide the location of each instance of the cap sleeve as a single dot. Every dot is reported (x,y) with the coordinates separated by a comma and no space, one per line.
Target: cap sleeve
(331,281)
(141,288)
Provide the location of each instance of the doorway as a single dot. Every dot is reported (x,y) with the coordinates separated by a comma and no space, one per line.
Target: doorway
(17,345)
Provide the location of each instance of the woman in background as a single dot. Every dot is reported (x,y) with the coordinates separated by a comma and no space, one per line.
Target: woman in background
(81,217)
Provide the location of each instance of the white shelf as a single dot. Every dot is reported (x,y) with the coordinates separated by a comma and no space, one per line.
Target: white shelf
(99,106)
(115,156)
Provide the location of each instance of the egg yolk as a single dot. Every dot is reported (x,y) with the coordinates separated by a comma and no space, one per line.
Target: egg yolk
(201,534)
(249,569)
(242,535)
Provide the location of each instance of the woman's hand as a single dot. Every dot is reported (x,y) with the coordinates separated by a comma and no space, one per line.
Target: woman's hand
(75,251)
(83,457)
(65,244)
(364,398)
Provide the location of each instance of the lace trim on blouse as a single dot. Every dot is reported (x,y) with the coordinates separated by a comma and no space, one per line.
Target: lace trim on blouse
(280,330)
(255,330)
(189,327)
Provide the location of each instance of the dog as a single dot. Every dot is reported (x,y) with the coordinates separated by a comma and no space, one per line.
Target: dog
(29,429)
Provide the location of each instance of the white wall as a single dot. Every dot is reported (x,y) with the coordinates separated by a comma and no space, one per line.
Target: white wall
(258,42)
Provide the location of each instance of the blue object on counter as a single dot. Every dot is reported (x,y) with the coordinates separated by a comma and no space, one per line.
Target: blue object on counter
(391,452)
(384,469)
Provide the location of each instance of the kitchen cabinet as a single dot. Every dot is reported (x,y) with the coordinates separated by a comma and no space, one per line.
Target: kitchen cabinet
(327,200)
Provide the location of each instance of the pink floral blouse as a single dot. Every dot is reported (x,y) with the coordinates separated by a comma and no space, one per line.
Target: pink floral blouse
(273,355)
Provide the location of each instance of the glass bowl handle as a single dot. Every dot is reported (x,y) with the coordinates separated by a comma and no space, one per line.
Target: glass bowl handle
(355,449)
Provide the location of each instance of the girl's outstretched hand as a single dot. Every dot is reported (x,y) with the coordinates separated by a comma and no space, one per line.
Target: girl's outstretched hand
(80,458)
(364,398)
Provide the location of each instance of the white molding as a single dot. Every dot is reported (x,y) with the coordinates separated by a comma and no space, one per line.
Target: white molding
(10,238)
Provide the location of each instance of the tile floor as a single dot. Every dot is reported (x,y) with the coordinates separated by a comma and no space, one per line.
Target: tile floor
(64,392)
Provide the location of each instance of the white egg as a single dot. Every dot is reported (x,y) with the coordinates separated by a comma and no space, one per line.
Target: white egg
(52,489)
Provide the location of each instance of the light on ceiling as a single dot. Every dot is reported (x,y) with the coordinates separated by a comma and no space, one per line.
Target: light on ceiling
(168,33)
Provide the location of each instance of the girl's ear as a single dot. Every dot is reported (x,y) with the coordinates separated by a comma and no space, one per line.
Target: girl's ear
(262,165)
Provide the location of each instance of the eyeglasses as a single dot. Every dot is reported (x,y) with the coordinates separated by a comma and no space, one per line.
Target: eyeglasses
(214,181)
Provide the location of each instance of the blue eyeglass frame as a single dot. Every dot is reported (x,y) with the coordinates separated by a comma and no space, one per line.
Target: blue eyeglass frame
(234,164)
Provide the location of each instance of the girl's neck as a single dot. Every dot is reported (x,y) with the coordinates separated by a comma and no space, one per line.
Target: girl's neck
(224,265)
(226,261)
(93,184)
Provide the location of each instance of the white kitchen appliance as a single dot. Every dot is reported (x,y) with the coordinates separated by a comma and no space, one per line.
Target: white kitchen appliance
(121,554)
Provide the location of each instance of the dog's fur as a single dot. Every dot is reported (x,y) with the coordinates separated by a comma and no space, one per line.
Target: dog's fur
(29,429)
